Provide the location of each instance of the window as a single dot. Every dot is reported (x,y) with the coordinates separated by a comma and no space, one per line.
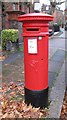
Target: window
(47,7)
(20,6)
(14,6)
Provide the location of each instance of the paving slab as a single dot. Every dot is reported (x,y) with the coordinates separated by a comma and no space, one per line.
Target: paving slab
(51,51)
(56,95)
(13,57)
(60,52)
(51,78)
(59,56)
(57,42)
(55,66)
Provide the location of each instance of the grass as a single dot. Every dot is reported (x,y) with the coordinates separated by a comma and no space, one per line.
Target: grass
(21,49)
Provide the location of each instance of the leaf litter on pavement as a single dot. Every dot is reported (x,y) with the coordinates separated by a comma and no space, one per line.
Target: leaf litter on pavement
(64,107)
(12,103)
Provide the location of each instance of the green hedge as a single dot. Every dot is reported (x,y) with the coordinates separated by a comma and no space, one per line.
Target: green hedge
(9,35)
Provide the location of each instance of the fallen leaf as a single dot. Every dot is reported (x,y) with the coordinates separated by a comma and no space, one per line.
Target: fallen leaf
(19,81)
(11,108)
(2,58)
(20,88)
(5,115)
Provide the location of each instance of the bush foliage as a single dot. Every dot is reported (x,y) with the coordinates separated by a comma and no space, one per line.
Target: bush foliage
(9,35)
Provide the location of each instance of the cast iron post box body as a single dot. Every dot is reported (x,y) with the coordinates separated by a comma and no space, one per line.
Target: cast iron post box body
(35,33)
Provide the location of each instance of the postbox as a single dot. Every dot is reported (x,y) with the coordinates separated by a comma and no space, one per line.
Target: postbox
(35,34)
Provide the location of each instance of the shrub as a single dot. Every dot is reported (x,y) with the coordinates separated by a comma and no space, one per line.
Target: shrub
(9,35)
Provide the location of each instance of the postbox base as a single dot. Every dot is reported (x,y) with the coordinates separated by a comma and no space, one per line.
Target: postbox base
(36,98)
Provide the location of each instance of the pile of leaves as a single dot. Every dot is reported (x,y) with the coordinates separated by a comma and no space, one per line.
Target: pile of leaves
(64,108)
(12,103)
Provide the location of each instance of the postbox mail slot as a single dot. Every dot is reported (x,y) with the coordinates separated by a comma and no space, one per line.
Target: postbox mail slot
(32,29)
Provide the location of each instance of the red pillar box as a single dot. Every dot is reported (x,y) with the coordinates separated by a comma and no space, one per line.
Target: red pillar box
(35,33)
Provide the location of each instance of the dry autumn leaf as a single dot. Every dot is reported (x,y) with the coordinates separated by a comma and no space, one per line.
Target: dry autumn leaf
(2,58)
(11,108)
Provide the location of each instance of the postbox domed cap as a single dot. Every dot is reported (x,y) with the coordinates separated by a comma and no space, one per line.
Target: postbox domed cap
(35,16)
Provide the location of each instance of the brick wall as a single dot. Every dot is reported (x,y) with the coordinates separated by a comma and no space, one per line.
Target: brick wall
(11,13)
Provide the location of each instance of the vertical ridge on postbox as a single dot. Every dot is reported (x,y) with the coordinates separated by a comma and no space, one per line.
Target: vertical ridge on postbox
(35,33)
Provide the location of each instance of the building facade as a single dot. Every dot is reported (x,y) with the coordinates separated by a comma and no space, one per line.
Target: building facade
(57,14)
(65,14)
(10,11)
(58,17)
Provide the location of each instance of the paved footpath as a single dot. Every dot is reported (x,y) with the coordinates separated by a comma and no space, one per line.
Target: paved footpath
(13,57)
(56,93)
(56,56)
